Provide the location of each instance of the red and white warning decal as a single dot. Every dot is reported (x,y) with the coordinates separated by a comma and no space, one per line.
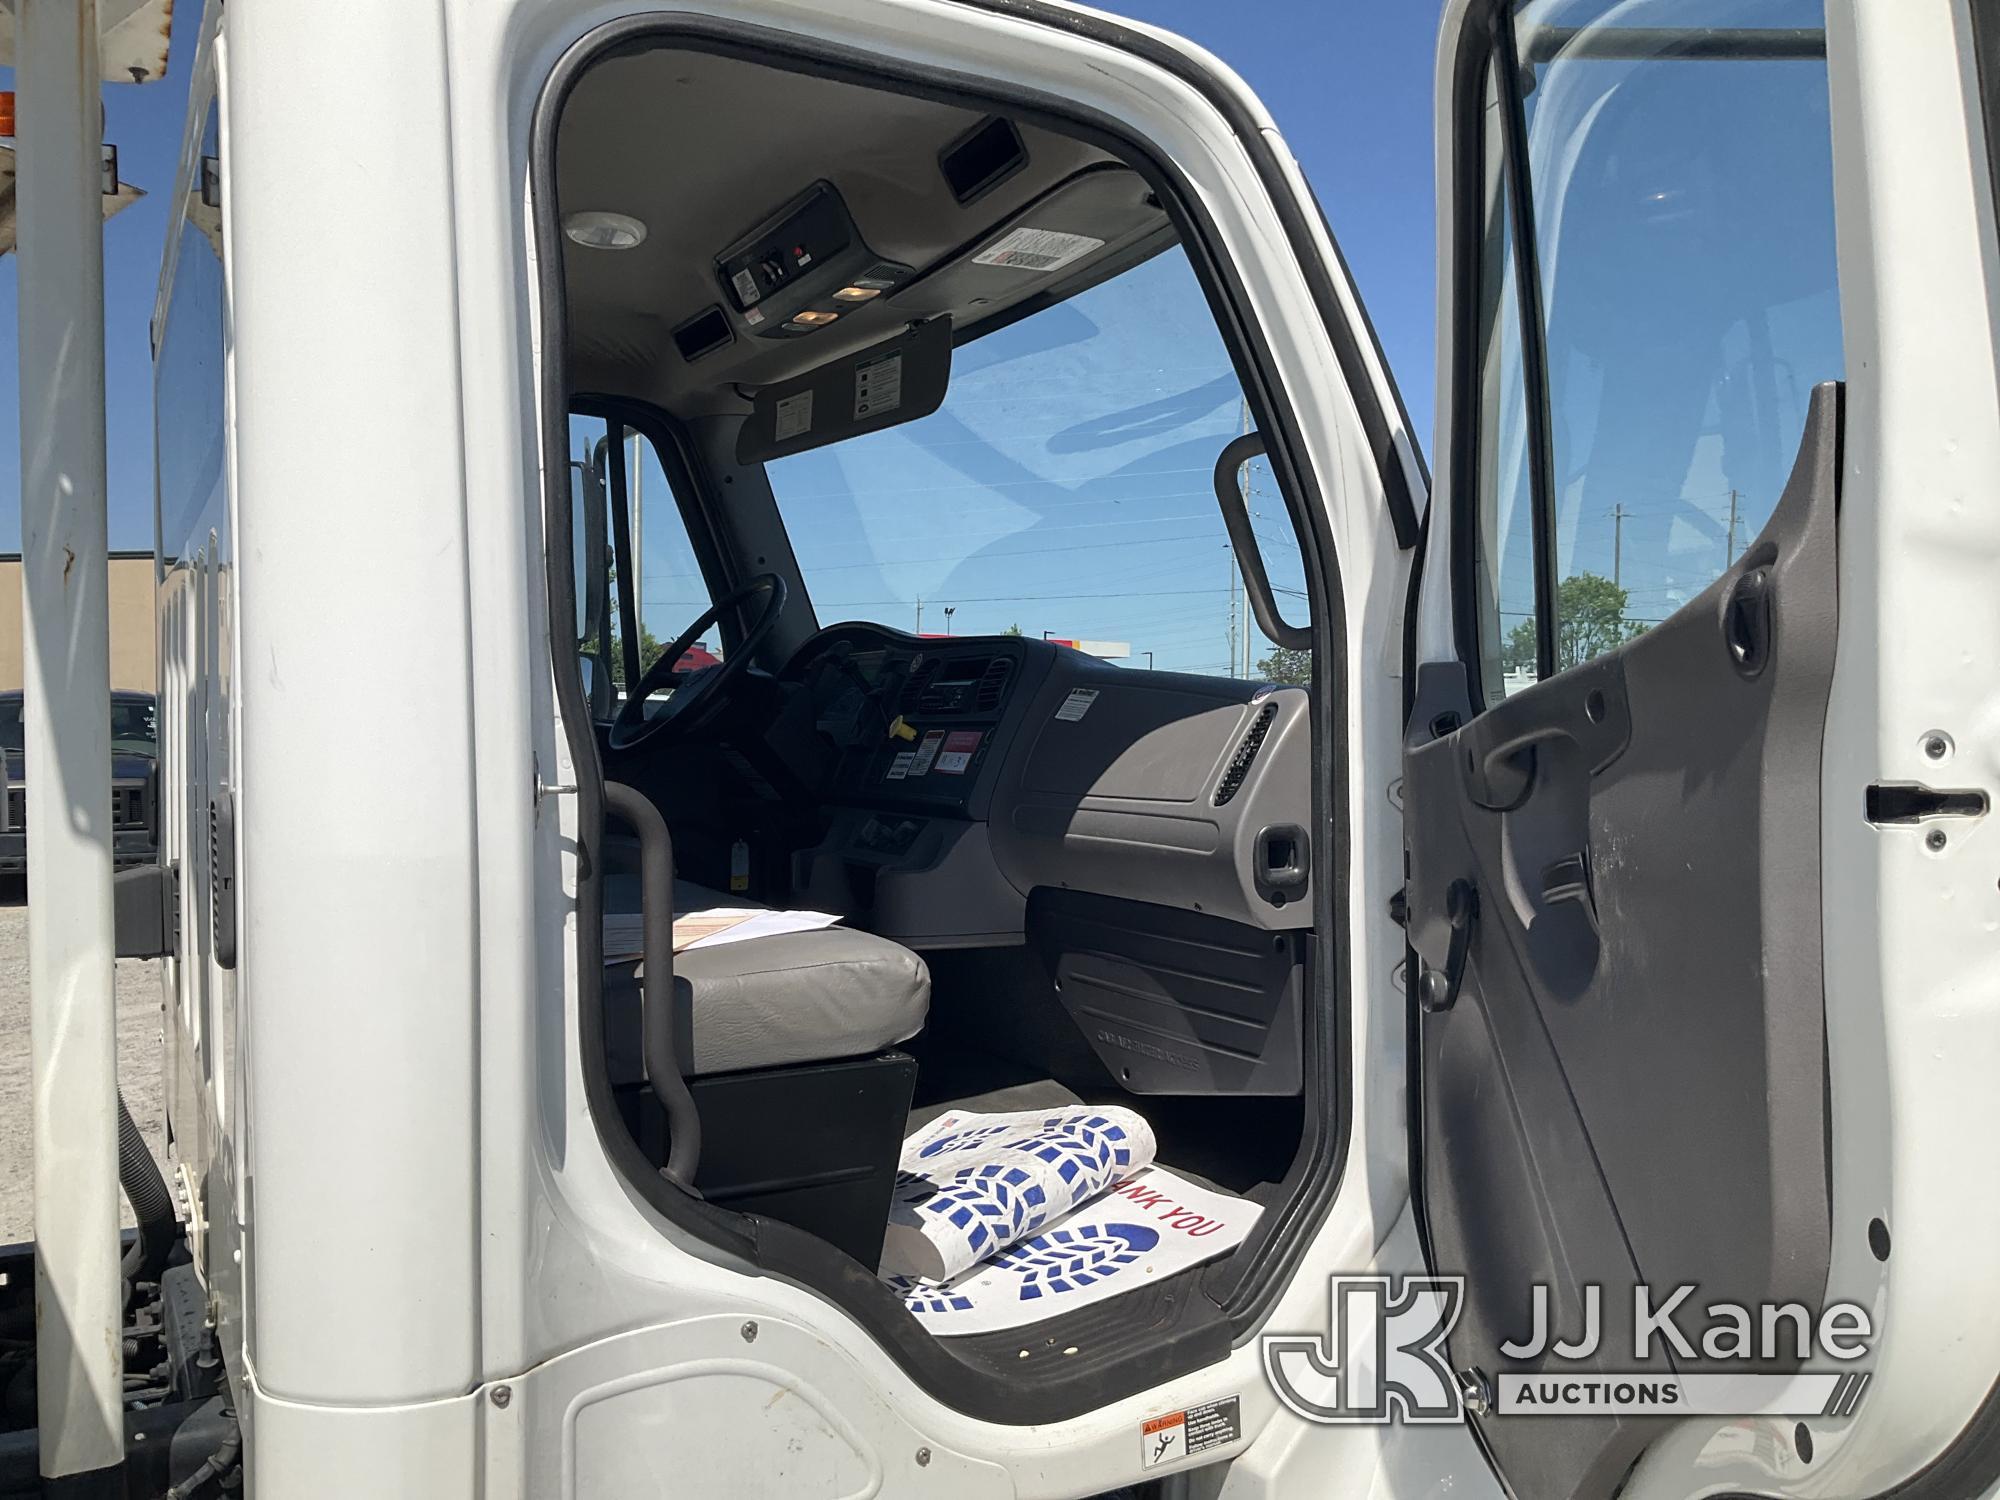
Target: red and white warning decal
(1184,1434)
(957,754)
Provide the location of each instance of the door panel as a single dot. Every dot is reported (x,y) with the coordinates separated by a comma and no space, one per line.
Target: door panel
(1629,1081)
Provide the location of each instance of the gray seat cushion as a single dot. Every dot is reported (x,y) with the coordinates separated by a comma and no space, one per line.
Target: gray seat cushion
(769,1002)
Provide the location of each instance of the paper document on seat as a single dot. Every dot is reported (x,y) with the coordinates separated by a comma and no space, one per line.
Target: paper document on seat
(969,1185)
(625,932)
(1150,1226)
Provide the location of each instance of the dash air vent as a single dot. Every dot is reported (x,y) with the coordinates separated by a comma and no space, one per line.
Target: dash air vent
(1239,763)
(913,688)
(993,684)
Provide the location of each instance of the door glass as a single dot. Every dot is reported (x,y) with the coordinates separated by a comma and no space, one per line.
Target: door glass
(625,507)
(1680,177)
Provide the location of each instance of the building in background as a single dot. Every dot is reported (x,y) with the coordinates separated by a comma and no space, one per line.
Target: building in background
(132,628)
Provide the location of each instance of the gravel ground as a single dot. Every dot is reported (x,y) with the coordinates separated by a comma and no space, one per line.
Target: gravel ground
(138,1061)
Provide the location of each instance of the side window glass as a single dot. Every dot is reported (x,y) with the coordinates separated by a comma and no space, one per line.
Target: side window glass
(1680,196)
(626,511)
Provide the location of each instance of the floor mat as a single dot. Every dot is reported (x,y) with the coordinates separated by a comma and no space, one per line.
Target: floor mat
(1238,1144)
(1153,1225)
(1036,1093)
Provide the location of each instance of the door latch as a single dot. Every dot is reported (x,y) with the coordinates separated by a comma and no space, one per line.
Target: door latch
(1438,990)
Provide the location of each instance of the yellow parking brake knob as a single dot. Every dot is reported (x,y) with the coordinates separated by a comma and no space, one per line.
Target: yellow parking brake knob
(898,730)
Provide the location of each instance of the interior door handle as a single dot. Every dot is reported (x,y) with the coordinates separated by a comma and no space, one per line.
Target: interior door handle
(1284,863)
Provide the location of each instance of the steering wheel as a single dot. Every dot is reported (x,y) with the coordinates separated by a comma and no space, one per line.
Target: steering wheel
(697,694)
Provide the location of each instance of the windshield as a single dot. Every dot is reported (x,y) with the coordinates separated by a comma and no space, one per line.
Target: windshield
(132,731)
(1063,491)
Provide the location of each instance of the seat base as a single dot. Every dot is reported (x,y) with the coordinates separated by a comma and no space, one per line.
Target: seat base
(814,1146)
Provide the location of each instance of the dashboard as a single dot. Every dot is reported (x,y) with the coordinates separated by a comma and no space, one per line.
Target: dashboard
(915,722)
(960,775)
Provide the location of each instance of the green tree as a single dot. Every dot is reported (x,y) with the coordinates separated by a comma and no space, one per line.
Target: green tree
(1012,630)
(650,647)
(1288,665)
(1590,620)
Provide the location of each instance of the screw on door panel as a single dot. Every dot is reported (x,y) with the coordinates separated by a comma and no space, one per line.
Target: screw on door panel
(1477,1390)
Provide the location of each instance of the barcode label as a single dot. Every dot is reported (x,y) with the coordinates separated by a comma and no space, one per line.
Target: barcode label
(1036,249)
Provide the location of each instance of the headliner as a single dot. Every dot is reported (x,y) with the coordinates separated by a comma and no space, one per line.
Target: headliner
(702,149)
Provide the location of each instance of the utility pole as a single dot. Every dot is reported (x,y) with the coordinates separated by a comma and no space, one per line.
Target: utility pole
(634,474)
(920,614)
(1232,608)
(79,1301)
(1618,544)
(1729,549)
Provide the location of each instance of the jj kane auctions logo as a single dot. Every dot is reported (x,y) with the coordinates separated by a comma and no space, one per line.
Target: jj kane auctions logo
(1383,1357)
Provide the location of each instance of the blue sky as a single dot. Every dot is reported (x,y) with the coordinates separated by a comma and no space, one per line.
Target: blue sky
(1348,80)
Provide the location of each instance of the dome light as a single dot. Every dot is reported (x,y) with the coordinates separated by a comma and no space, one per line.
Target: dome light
(600,229)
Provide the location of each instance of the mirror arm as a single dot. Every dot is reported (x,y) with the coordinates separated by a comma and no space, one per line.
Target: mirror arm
(1243,541)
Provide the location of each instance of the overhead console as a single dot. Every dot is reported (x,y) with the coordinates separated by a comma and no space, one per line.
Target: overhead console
(804,267)
(1099,221)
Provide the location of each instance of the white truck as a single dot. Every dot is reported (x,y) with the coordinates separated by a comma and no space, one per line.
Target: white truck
(1586,980)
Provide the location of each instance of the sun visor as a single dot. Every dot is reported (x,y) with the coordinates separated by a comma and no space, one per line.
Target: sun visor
(897,380)
(1104,216)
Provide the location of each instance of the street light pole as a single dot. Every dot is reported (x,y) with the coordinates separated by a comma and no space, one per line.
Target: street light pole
(58,186)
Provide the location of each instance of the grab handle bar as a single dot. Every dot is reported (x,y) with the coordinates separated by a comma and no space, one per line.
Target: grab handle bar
(1243,541)
(656,905)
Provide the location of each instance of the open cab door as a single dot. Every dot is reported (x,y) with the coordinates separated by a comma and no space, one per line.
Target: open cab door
(1694,799)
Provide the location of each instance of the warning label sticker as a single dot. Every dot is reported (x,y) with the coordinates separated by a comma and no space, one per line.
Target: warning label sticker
(927,752)
(1183,1434)
(1036,249)
(878,386)
(900,766)
(1077,704)
(959,746)
(794,417)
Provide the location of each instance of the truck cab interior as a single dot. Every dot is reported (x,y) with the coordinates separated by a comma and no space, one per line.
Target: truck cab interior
(886,408)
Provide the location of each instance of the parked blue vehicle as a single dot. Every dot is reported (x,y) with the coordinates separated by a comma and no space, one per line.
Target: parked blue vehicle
(134,782)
